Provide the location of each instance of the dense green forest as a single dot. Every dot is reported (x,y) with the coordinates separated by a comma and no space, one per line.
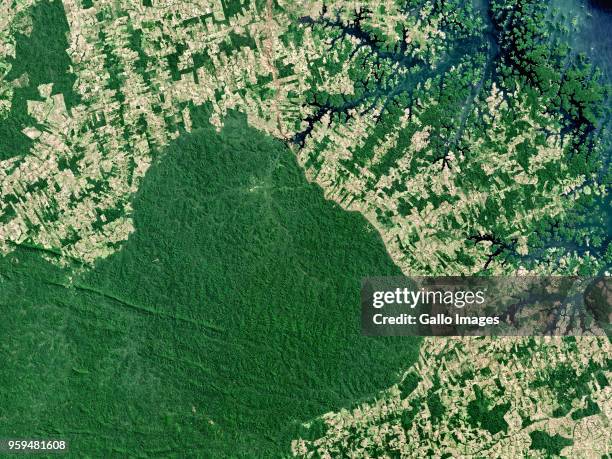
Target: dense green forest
(230,317)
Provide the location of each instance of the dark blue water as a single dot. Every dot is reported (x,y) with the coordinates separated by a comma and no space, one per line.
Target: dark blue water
(605,5)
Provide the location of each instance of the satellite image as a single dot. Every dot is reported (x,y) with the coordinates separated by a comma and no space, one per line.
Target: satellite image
(194,194)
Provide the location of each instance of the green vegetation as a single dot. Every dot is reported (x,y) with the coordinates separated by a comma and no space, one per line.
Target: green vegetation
(567,384)
(485,98)
(42,58)
(540,62)
(409,383)
(590,409)
(228,323)
(552,445)
(482,414)
(230,317)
